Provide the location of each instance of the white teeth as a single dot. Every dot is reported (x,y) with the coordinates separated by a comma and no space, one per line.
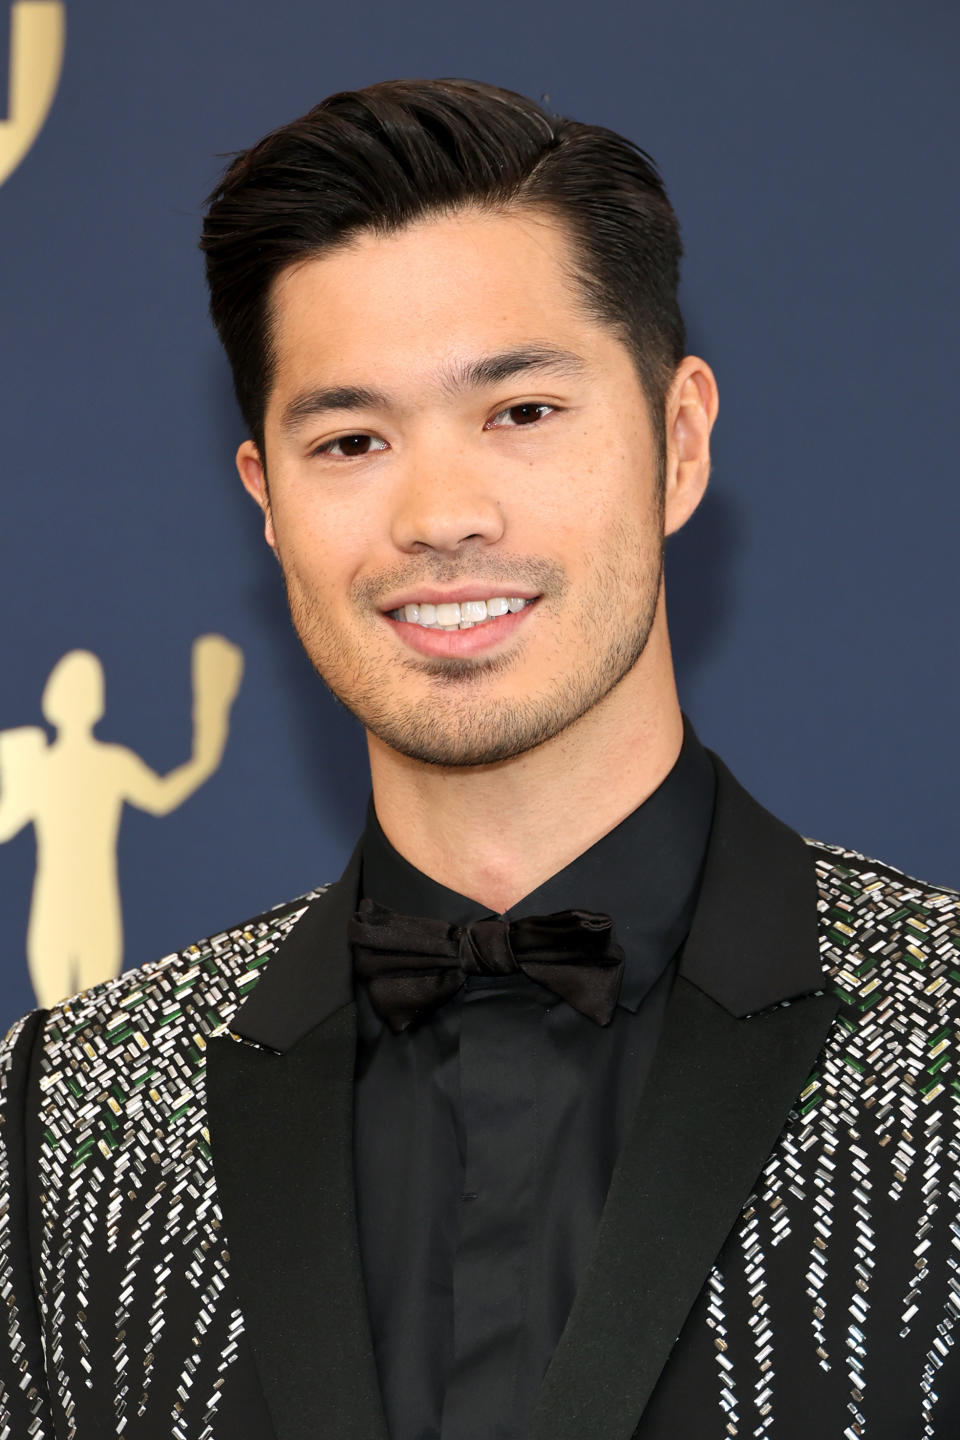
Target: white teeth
(462,616)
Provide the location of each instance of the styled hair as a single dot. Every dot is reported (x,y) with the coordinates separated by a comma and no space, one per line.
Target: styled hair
(377,159)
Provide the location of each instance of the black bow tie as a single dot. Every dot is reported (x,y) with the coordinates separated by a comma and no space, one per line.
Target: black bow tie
(412,964)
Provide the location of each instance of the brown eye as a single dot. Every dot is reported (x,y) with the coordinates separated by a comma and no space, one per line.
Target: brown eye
(354,444)
(526,414)
(350,447)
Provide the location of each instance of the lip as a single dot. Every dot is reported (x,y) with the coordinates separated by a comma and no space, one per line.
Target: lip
(458,643)
(430,596)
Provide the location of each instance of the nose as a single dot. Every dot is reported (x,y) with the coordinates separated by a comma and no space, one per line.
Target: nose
(443,504)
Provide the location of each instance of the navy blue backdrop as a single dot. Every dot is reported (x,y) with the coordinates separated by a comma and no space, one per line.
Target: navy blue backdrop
(810,153)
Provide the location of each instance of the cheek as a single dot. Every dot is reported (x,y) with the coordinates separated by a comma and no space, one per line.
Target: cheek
(315,547)
(301,547)
(609,501)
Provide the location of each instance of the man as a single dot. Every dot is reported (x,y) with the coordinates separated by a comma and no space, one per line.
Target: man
(591,1100)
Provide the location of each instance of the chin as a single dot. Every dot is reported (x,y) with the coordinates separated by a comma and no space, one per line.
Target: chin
(485,735)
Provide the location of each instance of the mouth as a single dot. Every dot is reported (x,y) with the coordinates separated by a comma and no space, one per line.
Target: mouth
(459,628)
(462,615)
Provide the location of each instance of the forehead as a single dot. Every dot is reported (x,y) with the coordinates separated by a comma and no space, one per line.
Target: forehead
(453,284)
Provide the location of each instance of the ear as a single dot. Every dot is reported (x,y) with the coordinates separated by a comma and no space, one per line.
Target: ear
(254,477)
(691,409)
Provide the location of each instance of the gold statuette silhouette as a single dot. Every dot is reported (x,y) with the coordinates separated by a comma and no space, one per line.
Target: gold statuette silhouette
(37,35)
(73,790)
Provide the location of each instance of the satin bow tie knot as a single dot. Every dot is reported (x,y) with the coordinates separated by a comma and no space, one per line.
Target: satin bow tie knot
(411,964)
(484,948)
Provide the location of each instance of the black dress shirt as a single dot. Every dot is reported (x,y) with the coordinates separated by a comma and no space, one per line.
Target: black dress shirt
(486,1135)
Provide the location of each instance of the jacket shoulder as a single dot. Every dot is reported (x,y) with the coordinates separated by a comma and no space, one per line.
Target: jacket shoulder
(853,873)
(886,919)
(181,998)
(890,945)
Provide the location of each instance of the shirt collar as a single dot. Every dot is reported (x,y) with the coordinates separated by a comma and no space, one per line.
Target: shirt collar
(754,939)
(645,873)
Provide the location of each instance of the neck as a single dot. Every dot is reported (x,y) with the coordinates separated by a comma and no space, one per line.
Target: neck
(496,832)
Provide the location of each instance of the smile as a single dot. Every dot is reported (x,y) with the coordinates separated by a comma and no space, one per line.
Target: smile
(448,632)
(459,616)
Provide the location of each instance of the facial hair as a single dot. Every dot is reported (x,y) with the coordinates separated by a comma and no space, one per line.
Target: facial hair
(456,724)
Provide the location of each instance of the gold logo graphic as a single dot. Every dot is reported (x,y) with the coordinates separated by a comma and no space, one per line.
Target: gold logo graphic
(37,35)
(73,790)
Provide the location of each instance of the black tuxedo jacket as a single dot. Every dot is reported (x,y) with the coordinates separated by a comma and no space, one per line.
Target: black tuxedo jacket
(779,1254)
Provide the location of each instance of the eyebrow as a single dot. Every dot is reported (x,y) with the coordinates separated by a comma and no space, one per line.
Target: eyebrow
(451,380)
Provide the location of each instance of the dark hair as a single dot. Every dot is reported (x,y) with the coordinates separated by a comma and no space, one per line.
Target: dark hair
(377,159)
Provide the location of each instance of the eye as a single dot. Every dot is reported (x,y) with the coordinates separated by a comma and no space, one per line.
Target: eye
(527,414)
(352,447)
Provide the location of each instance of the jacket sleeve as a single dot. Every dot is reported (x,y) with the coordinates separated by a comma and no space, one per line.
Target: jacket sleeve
(24,1398)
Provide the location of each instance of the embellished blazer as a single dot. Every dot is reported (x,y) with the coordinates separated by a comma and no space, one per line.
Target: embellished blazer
(778,1256)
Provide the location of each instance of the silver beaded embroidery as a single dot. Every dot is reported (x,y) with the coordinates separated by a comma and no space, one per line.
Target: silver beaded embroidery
(122,1079)
(885,1098)
(18,1353)
(717,1320)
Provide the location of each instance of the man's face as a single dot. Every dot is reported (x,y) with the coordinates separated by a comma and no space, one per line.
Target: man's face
(446,425)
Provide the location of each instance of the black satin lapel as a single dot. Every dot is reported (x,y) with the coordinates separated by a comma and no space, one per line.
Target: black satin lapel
(310,975)
(281,1134)
(717,1097)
